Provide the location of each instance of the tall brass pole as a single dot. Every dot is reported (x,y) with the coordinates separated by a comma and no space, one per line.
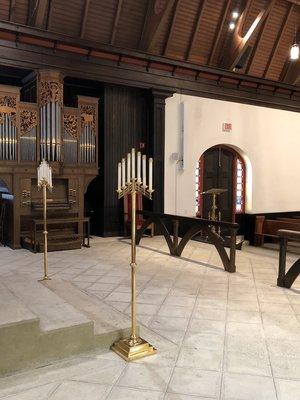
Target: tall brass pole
(45,232)
(133,265)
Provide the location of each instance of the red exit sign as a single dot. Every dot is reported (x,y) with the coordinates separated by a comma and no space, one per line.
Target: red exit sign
(227,127)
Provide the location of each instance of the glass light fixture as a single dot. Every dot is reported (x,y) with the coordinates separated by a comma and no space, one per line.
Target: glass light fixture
(295,52)
(235,14)
(231,26)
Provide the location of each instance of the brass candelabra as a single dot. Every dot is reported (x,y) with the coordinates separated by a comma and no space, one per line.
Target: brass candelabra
(133,347)
(45,182)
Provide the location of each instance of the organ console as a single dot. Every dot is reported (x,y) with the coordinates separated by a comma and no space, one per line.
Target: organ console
(66,137)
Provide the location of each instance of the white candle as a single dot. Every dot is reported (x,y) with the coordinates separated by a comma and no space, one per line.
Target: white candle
(133,163)
(128,168)
(50,170)
(144,171)
(123,172)
(150,173)
(139,167)
(119,176)
(38,175)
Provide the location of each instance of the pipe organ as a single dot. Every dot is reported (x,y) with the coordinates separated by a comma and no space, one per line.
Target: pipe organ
(66,137)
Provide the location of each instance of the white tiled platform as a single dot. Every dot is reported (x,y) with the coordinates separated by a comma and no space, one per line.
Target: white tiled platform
(219,335)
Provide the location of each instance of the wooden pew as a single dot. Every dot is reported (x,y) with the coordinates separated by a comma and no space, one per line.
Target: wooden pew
(268,227)
(286,279)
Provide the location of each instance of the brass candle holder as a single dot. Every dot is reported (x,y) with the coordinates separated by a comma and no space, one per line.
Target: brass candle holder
(134,347)
(45,182)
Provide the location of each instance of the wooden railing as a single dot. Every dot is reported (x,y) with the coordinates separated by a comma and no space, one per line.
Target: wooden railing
(286,279)
(196,225)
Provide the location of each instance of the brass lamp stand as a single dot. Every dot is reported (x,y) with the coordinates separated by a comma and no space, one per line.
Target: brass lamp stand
(45,182)
(133,347)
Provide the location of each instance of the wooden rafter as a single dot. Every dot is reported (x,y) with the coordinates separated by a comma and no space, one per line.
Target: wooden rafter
(240,43)
(84,18)
(37,11)
(12,9)
(171,30)
(116,21)
(156,14)
(291,70)
(278,38)
(259,36)
(196,28)
(219,29)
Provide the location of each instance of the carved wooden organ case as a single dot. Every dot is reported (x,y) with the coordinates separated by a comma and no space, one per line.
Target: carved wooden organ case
(67,137)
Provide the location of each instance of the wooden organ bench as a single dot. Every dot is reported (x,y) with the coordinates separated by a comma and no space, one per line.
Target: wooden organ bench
(66,137)
(269,228)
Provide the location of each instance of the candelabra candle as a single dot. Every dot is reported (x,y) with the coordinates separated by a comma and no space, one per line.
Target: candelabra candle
(123,173)
(133,163)
(119,176)
(150,173)
(144,171)
(128,168)
(139,167)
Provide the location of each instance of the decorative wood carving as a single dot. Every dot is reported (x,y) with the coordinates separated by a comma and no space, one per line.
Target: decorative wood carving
(71,125)
(28,120)
(51,91)
(88,115)
(8,105)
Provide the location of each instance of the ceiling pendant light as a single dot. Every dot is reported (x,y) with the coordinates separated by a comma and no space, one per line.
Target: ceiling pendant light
(294,52)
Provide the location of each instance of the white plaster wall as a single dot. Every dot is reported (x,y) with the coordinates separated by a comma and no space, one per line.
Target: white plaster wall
(269,138)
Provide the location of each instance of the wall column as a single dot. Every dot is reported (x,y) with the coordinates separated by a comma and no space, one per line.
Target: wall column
(156,142)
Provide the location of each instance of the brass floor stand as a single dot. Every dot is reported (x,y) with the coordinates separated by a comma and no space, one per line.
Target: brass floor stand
(133,347)
(45,232)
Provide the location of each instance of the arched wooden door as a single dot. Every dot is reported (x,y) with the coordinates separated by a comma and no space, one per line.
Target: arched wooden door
(221,167)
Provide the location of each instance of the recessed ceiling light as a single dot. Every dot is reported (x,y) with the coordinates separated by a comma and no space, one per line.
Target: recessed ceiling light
(294,52)
(235,14)
(231,26)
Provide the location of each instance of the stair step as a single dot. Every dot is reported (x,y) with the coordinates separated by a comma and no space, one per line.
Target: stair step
(52,311)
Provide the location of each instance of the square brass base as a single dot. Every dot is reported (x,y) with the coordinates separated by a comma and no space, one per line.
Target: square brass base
(130,353)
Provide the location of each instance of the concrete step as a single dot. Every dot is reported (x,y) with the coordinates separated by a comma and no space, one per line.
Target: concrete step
(41,322)
(109,324)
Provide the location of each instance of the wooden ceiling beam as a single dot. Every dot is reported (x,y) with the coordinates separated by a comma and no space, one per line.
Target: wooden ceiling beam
(171,30)
(12,10)
(259,36)
(196,29)
(156,14)
(37,12)
(289,11)
(240,43)
(84,18)
(116,21)
(219,30)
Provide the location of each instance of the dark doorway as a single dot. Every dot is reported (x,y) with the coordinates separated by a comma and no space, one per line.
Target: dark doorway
(223,168)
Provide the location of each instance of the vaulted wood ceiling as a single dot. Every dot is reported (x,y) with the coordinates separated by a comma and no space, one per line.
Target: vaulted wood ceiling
(195,31)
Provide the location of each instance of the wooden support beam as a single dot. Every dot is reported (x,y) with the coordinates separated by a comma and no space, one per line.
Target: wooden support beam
(289,11)
(12,10)
(156,14)
(116,21)
(196,29)
(259,36)
(37,11)
(240,43)
(219,29)
(171,30)
(84,18)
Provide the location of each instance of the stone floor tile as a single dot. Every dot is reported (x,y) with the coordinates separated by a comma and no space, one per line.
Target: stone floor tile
(204,341)
(71,390)
(244,329)
(195,382)
(276,308)
(285,367)
(243,305)
(248,363)
(248,387)
(243,316)
(38,393)
(149,298)
(288,390)
(247,344)
(183,301)
(174,396)
(178,324)
(121,393)
(206,326)
(146,376)
(200,358)
(175,311)
(215,314)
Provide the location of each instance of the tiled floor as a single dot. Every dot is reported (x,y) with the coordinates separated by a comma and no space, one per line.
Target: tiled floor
(219,335)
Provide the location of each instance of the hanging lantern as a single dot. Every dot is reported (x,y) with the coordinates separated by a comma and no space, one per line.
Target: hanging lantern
(294,52)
